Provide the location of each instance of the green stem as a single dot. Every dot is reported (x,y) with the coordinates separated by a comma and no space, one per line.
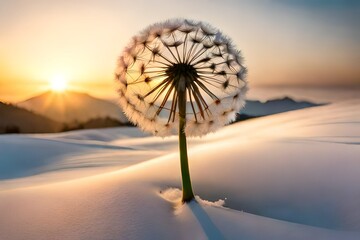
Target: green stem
(188,194)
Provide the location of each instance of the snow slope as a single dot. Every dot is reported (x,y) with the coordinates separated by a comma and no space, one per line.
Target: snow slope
(293,175)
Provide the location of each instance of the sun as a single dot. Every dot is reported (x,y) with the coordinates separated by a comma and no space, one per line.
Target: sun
(58,83)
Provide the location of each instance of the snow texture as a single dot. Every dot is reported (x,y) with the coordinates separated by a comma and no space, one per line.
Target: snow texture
(292,176)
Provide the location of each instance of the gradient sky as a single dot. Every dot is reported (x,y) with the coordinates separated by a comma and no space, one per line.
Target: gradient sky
(310,43)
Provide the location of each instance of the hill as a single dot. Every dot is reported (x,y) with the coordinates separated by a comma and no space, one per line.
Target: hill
(257,108)
(69,107)
(17,120)
(101,122)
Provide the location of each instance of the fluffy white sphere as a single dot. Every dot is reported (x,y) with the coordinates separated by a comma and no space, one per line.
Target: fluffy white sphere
(181,54)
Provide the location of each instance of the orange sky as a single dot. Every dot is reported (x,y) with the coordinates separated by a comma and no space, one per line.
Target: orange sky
(284,44)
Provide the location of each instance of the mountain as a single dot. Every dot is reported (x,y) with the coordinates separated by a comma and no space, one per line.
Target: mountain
(101,122)
(257,108)
(82,111)
(69,107)
(17,120)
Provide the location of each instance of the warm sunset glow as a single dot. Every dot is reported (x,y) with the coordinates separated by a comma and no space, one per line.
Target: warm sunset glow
(58,83)
(82,41)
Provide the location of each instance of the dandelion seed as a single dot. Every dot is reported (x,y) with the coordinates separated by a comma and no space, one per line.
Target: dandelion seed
(181,71)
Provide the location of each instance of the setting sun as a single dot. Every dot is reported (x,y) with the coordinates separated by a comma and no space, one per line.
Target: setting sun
(58,83)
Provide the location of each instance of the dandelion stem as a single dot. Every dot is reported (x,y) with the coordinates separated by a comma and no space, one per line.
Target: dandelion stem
(188,194)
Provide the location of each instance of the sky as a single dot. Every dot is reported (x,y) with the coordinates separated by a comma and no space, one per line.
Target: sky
(286,43)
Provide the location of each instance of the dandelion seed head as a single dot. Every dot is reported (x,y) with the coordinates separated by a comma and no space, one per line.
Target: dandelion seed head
(186,56)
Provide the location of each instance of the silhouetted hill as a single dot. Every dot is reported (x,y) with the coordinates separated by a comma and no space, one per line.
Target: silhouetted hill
(17,120)
(72,106)
(81,111)
(106,122)
(257,108)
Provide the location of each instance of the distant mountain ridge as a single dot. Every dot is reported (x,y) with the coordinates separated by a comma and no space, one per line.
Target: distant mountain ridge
(70,106)
(256,108)
(17,120)
(55,112)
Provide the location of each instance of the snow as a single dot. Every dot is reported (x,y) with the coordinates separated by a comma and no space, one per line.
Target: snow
(292,175)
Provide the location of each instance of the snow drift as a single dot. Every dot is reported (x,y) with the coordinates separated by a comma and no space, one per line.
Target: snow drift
(293,175)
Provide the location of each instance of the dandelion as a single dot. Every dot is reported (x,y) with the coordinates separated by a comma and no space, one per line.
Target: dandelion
(181,77)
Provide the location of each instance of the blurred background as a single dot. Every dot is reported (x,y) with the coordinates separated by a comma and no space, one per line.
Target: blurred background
(309,50)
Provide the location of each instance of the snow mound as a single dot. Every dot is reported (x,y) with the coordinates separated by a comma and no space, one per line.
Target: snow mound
(174,195)
(289,176)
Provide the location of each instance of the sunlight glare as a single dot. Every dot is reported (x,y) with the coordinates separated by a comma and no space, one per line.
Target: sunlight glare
(58,83)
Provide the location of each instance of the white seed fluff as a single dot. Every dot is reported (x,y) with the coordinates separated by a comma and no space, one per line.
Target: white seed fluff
(184,54)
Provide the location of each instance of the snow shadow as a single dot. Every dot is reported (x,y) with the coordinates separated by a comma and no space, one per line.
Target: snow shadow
(209,228)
